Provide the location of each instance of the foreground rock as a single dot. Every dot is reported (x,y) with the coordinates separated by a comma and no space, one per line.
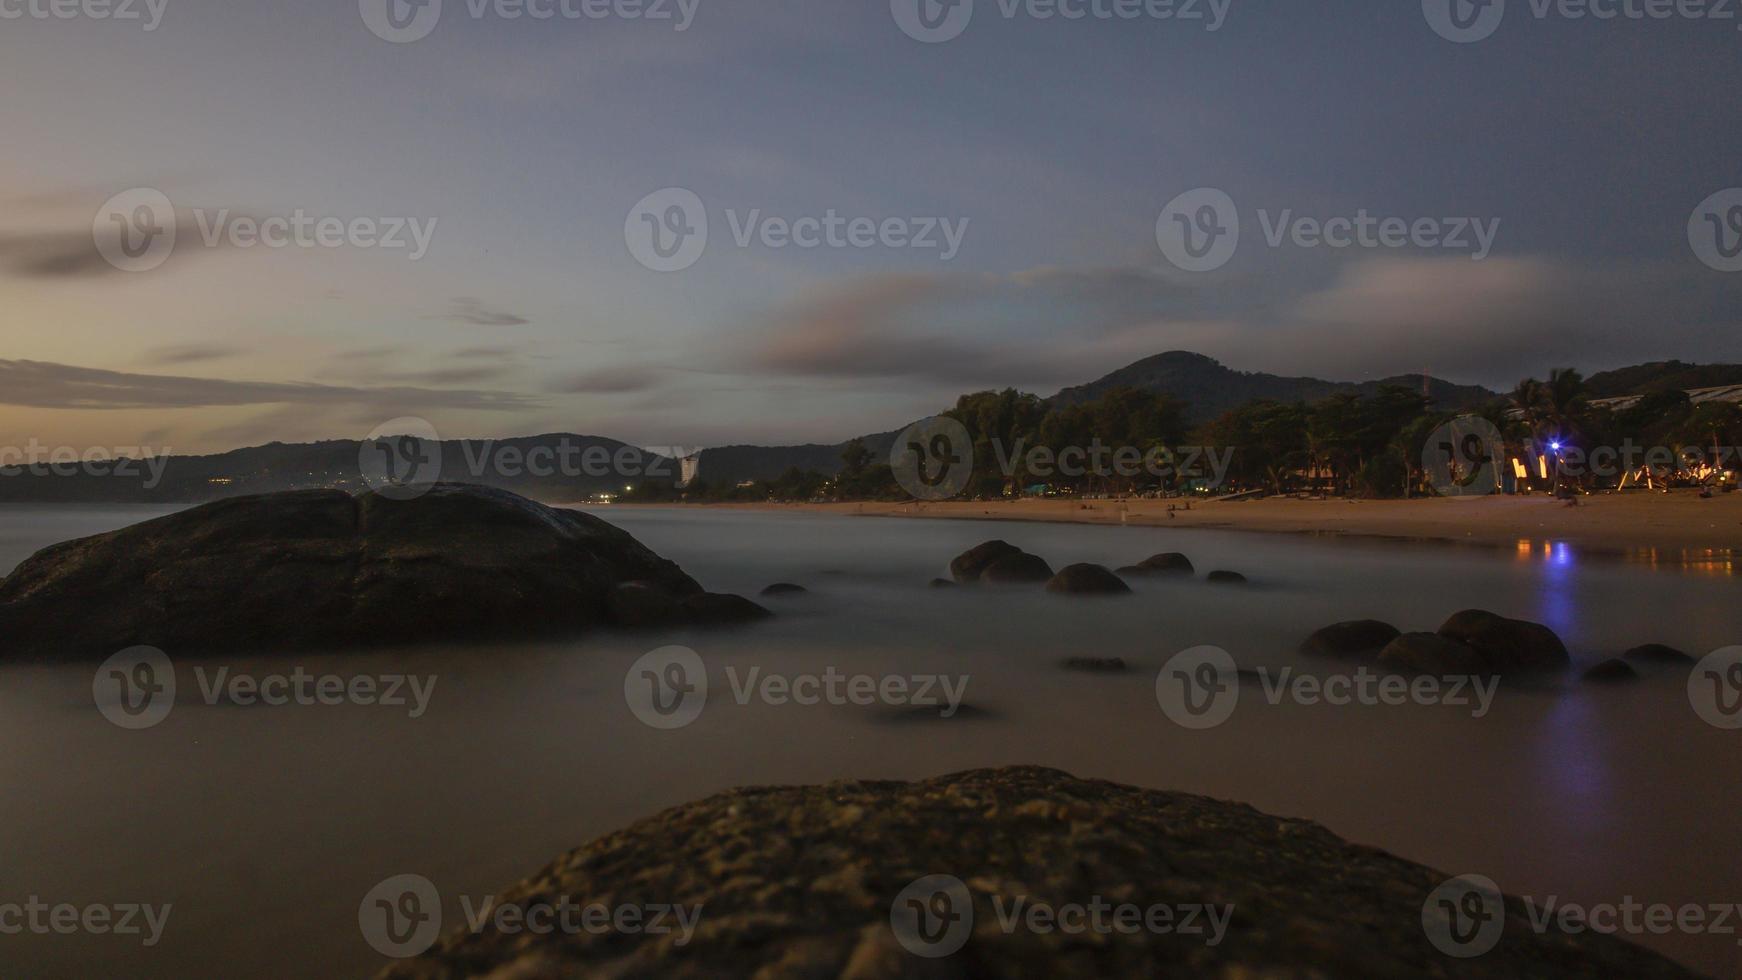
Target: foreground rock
(323,569)
(801,881)
(1359,639)
(1171,563)
(1087,580)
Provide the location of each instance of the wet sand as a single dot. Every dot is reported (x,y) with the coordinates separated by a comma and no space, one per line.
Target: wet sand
(1678,526)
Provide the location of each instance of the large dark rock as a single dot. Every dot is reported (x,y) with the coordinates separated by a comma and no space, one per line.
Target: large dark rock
(1020,568)
(638,605)
(1359,639)
(971,564)
(325,569)
(1087,580)
(1657,653)
(802,882)
(714,609)
(1171,563)
(1431,653)
(645,605)
(1507,645)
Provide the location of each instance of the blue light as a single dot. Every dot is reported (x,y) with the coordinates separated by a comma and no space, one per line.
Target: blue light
(1556,445)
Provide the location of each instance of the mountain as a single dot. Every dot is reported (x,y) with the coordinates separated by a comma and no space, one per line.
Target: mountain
(1211,389)
(1661,376)
(736,464)
(565,467)
(555,468)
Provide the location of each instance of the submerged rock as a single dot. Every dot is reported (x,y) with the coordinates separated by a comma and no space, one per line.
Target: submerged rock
(1612,672)
(1170,563)
(1097,665)
(971,564)
(1507,645)
(324,569)
(942,583)
(1431,653)
(1357,639)
(1087,580)
(1657,653)
(1226,578)
(785,588)
(812,881)
(1019,568)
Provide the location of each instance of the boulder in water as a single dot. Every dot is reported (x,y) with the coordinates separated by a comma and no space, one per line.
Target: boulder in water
(1020,568)
(1087,580)
(1612,672)
(1170,563)
(322,569)
(1431,653)
(1507,645)
(1657,653)
(1359,639)
(971,564)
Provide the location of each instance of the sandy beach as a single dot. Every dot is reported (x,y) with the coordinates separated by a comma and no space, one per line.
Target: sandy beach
(1676,527)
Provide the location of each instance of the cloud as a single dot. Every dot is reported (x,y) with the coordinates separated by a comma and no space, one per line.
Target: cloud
(191,353)
(63,253)
(465,309)
(39,384)
(1040,327)
(449,376)
(53,255)
(609,381)
(1486,322)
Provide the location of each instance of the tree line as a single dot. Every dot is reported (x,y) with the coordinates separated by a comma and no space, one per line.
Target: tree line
(1348,444)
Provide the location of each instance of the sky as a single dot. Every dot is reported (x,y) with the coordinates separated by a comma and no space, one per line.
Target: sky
(995,199)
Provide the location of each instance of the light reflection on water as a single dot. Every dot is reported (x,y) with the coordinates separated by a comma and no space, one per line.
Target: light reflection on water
(266,826)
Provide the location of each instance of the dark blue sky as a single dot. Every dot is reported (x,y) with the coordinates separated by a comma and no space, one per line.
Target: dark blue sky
(1052,146)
